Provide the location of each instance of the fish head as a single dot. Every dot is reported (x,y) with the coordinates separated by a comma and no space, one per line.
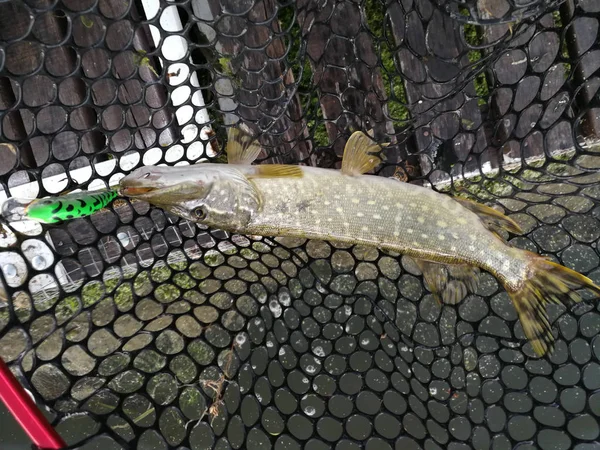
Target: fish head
(216,195)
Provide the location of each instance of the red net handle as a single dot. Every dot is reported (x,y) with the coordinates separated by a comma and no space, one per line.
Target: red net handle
(25,411)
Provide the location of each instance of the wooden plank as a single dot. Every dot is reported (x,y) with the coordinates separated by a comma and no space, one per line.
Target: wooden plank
(513,104)
(150,71)
(13,123)
(14,20)
(582,37)
(346,73)
(264,92)
(447,123)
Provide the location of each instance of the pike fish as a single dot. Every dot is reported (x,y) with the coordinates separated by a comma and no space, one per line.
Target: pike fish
(57,209)
(449,238)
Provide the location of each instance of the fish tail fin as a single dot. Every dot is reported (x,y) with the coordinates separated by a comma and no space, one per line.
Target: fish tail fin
(547,282)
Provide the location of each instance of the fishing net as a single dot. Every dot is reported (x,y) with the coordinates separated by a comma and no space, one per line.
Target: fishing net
(141,330)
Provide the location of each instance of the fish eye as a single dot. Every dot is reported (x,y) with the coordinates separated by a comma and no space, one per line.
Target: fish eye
(200,213)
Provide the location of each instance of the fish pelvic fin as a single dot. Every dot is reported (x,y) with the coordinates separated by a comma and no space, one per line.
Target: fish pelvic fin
(493,219)
(449,283)
(361,154)
(242,148)
(547,282)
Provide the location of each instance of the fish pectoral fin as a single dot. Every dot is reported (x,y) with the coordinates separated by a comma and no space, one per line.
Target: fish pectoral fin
(491,218)
(361,154)
(277,171)
(242,148)
(449,282)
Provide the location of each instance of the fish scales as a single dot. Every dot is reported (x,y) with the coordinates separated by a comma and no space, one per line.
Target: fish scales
(325,204)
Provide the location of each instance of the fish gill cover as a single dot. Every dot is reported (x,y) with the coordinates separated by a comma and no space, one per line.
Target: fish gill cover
(142,330)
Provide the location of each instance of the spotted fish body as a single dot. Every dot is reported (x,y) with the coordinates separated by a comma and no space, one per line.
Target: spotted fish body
(450,239)
(70,206)
(380,212)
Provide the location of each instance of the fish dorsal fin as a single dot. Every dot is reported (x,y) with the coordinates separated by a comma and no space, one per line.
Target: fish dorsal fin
(242,148)
(491,218)
(276,171)
(449,283)
(361,154)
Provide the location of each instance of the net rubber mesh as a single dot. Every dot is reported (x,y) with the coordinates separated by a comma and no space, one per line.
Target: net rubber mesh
(141,330)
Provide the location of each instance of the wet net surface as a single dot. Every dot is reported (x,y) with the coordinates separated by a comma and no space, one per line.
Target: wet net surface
(141,330)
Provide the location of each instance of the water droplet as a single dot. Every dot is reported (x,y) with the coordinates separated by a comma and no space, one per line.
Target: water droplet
(275,308)
(365,342)
(10,271)
(281,351)
(124,238)
(310,410)
(270,344)
(311,369)
(432,390)
(240,339)
(284,298)
(38,262)
(319,351)
(320,288)
(305,380)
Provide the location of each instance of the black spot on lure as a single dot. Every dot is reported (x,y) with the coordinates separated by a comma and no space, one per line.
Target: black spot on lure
(69,206)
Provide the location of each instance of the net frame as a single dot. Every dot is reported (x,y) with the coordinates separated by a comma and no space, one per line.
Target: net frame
(493,153)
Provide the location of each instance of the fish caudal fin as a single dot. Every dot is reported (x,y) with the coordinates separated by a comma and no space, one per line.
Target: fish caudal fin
(548,282)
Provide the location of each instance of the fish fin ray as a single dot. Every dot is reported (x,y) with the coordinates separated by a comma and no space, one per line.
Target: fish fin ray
(548,282)
(277,171)
(492,218)
(449,282)
(454,292)
(242,148)
(361,154)
(499,236)
(465,273)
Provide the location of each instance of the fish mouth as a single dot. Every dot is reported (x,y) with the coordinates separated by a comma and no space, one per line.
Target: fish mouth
(132,191)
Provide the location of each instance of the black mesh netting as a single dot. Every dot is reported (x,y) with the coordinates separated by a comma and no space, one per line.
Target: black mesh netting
(142,330)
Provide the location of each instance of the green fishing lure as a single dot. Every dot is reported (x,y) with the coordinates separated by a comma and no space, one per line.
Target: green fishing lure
(70,206)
